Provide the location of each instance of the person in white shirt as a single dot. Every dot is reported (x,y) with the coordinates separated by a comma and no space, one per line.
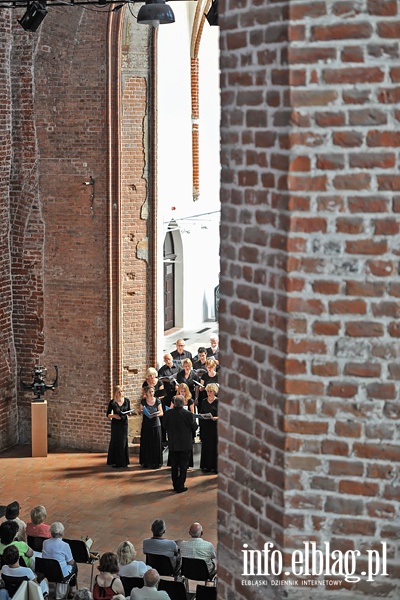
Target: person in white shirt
(12,568)
(149,591)
(196,547)
(56,548)
(128,566)
(12,514)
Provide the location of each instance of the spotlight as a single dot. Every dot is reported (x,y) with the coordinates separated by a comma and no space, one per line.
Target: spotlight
(155,12)
(35,13)
(212,15)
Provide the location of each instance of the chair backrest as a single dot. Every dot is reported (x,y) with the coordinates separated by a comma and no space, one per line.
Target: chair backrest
(12,583)
(35,542)
(206,592)
(80,552)
(131,582)
(161,563)
(195,568)
(175,589)
(50,568)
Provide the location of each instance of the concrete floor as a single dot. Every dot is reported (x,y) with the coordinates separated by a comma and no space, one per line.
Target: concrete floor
(106,504)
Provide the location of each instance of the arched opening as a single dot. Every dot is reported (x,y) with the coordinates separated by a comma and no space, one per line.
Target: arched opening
(169,282)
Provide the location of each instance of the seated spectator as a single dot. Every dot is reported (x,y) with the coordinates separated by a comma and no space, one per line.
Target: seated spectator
(37,527)
(128,566)
(12,568)
(107,584)
(159,545)
(12,514)
(8,533)
(82,594)
(196,547)
(57,549)
(149,590)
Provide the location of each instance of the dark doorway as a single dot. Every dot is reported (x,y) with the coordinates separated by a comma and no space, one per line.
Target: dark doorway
(169,282)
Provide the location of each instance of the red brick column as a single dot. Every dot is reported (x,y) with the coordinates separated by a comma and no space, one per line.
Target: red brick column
(309,291)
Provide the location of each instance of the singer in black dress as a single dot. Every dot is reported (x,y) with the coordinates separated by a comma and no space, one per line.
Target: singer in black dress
(118,452)
(209,431)
(150,455)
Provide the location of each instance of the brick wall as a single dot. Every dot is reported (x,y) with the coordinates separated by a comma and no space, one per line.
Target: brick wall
(8,424)
(58,93)
(137,211)
(309,291)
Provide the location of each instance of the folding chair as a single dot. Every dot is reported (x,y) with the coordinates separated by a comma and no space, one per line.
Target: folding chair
(12,583)
(162,564)
(206,592)
(51,569)
(196,569)
(176,590)
(81,554)
(35,542)
(131,582)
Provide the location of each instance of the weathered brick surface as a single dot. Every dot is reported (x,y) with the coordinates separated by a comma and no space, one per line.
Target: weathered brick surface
(8,370)
(325,407)
(57,261)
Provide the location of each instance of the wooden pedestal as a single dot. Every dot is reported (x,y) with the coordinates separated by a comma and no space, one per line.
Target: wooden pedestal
(39,428)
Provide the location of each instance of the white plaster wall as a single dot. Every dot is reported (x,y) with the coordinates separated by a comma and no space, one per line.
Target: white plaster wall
(200,234)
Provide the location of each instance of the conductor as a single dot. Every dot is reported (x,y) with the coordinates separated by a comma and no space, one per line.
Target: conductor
(180,425)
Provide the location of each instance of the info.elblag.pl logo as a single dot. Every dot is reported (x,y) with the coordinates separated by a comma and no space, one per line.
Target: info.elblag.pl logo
(312,561)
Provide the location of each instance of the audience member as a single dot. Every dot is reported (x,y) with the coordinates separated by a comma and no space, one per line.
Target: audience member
(12,514)
(12,568)
(159,545)
(107,584)
(128,566)
(196,547)
(37,527)
(149,590)
(56,548)
(83,594)
(8,533)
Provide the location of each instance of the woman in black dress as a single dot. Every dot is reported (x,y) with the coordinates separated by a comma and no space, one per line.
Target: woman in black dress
(150,455)
(118,453)
(209,431)
(211,376)
(188,375)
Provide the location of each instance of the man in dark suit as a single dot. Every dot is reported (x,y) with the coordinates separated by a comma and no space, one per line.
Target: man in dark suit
(180,425)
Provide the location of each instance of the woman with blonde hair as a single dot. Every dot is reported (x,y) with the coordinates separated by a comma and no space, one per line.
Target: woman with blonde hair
(209,430)
(118,412)
(37,527)
(128,566)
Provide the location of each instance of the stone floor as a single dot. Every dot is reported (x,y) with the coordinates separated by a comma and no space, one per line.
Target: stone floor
(106,504)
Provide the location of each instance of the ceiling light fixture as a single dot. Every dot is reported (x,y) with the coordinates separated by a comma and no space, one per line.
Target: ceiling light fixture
(155,12)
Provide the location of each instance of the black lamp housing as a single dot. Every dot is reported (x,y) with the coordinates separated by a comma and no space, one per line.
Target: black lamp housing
(35,13)
(212,15)
(155,12)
